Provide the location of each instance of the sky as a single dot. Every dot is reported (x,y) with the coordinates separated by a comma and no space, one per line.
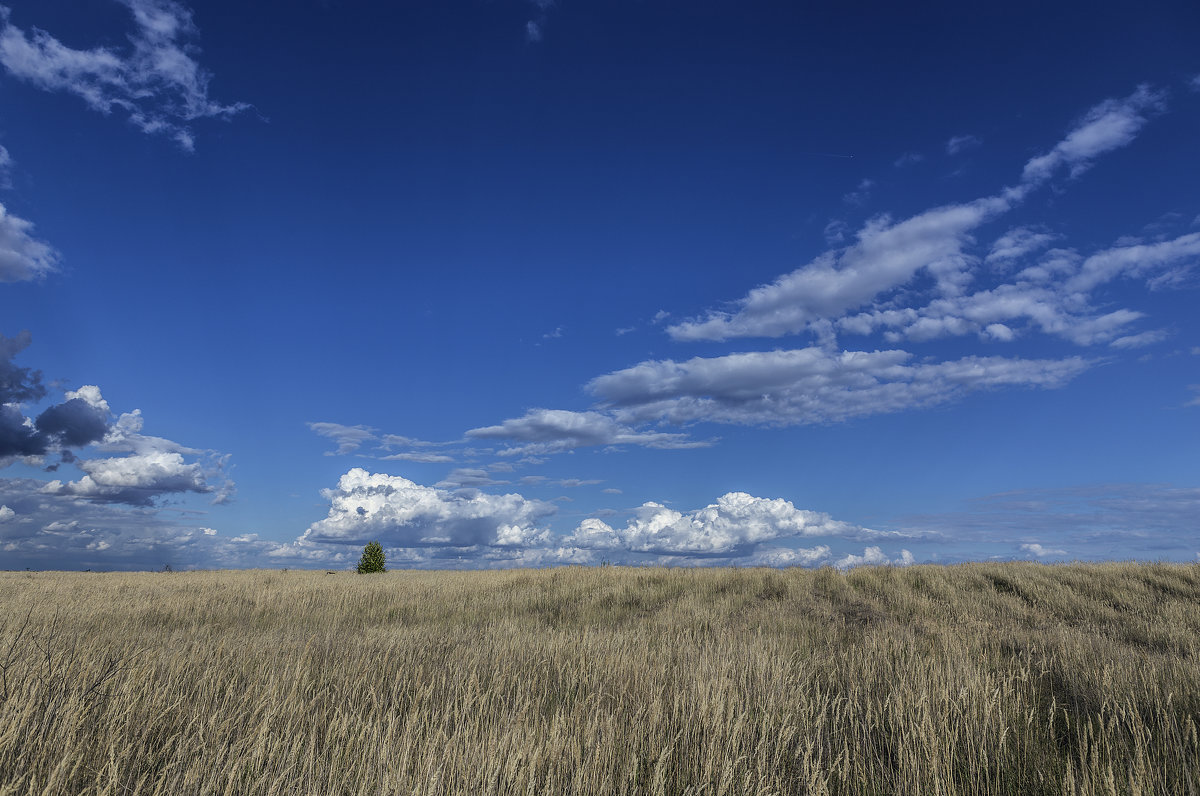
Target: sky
(526,283)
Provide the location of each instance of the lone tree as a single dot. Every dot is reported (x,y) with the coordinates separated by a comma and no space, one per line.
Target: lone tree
(372,559)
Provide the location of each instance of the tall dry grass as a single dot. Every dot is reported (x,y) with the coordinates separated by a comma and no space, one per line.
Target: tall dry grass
(973,679)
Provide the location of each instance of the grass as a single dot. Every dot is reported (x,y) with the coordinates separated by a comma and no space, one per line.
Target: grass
(972,679)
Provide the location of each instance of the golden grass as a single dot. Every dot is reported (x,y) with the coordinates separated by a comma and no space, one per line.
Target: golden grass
(971,679)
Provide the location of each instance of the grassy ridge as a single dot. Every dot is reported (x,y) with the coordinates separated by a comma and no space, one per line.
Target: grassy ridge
(981,678)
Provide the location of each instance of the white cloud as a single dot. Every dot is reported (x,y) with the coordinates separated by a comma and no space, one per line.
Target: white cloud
(402,514)
(1016,243)
(1038,550)
(136,480)
(811,385)
(874,556)
(6,513)
(1053,295)
(887,255)
(789,557)
(961,143)
(734,525)
(23,257)
(1133,260)
(555,430)
(1141,340)
(156,82)
(908,159)
(1110,125)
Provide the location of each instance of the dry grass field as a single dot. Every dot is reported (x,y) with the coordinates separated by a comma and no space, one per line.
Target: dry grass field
(973,679)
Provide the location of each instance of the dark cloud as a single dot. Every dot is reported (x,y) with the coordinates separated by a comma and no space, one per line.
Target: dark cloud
(18,384)
(75,422)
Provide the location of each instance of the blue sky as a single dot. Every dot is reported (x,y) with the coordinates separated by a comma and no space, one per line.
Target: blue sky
(519,283)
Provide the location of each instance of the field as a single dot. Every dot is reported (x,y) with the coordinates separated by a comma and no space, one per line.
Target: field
(972,679)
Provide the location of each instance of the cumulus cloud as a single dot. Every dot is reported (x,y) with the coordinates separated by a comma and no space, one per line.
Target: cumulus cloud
(402,514)
(541,431)
(23,257)
(82,419)
(156,82)
(48,531)
(734,525)
(811,385)
(137,480)
(789,557)
(1035,549)
(874,556)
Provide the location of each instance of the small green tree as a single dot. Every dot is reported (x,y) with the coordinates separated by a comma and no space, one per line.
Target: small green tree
(372,559)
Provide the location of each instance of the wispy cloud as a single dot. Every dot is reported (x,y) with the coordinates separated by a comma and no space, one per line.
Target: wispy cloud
(887,254)
(541,431)
(156,82)
(961,143)
(811,385)
(23,257)
(348,438)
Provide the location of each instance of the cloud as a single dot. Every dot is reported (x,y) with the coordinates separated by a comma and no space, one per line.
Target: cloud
(542,431)
(860,194)
(156,82)
(535,29)
(18,384)
(402,514)
(82,419)
(23,258)
(1099,521)
(137,480)
(1053,295)
(1017,243)
(961,143)
(348,438)
(908,159)
(887,254)
(811,385)
(1141,340)
(874,556)
(1110,125)
(424,458)
(789,557)
(734,525)
(48,531)
(469,477)
(1037,550)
